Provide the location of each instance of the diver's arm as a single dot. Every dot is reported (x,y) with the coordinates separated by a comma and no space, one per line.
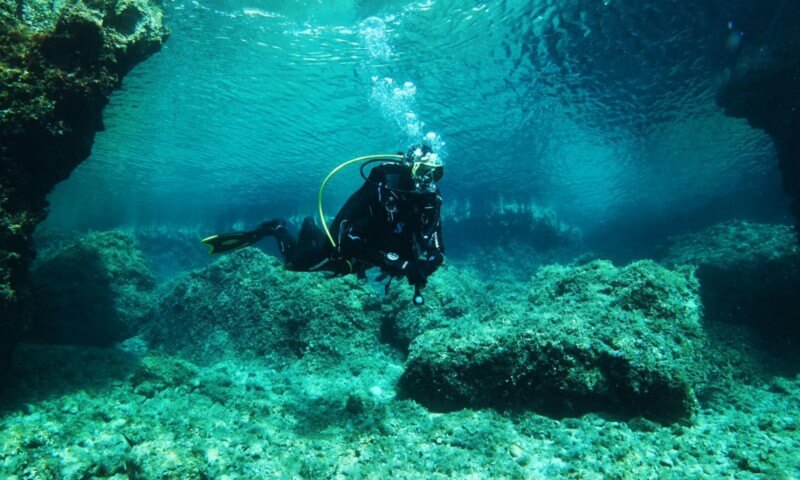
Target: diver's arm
(359,235)
(432,252)
(351,226)
(353,244)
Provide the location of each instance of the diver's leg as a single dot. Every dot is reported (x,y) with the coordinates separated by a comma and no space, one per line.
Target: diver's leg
(313,259)
(310,252)
(306,237)
(287,244)
(311,236)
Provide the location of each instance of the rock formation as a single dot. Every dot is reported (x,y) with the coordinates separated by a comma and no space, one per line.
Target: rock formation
(763,86)
(94,291)
(749,274)
(59,63)
(588,338)
(591,338)
(246,305)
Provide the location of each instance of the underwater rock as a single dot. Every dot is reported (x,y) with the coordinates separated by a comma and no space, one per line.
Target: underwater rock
(749,274)
(156,373)
(169,251)
(94,291)
(247,305)
(59,62)
(589,338)
(454,295)
(763,87)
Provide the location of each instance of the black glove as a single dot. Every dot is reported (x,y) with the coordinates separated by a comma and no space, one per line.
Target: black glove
(433,262)
(416,273)
(419,271)
(392,269)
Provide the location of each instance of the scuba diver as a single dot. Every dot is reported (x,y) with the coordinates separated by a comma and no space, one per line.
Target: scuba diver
(392,222)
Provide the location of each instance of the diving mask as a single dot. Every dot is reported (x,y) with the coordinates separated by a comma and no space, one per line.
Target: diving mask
(426,167)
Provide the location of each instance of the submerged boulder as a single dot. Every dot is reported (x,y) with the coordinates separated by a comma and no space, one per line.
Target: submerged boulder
(588,338)
(453,296)
(94,291)
(749,274)
(246,304)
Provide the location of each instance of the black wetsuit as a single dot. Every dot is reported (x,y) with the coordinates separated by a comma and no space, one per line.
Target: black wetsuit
(385,224)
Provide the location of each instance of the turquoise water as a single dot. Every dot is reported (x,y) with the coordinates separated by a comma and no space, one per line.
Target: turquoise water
(601,111)
(569,334)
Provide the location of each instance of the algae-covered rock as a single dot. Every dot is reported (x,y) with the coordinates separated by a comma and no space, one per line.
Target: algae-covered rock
(59,63)
(588,338)
(95,291)
(749,274)
(156,373)
(247,304)
(454,296)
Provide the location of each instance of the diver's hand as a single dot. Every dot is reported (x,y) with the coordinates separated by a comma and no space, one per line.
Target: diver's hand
(419,271)
(416,273)
(393,270)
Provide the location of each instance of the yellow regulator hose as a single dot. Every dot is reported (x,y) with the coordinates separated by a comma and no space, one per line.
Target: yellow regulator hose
(334,172)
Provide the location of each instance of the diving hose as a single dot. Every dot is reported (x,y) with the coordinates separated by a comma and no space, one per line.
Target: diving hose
(389,157)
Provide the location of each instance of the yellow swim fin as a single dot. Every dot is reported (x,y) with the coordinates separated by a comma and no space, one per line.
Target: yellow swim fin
(228,242)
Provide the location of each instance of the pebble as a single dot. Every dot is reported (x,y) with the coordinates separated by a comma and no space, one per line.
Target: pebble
(516,451)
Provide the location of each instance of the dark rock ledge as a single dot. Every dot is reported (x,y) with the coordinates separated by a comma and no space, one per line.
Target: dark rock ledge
(58,66)
(763,87)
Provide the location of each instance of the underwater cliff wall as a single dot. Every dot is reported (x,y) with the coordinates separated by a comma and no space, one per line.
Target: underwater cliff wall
(763,87)
(59,62)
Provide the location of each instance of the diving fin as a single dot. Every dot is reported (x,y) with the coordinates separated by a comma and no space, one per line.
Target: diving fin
(228,242)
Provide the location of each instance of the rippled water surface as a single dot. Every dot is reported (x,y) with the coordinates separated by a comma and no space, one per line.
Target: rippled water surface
(600,109)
